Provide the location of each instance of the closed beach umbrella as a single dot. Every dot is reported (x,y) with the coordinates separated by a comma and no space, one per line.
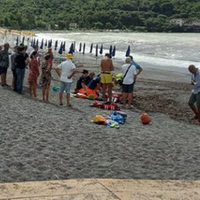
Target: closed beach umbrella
(63,46)
(80,47)
(56,45)
(101,49)
(74,47)
(23,39)
(49,43)
(42,44)
(71,49)
(61,49)
(114,50)
(33,45)
(91,47)
(128,51)
(96,51)
(36,43)
(110,51)
(84,48)
(17,41)
(45,43)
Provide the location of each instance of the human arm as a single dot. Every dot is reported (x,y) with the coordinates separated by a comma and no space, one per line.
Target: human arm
(139,71)
(58,71)
(72,74)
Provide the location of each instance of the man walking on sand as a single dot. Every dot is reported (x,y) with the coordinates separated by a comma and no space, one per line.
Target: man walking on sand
(195,94)
(106,76)
(65,71)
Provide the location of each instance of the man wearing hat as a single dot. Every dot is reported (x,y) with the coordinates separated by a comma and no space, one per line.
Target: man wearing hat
(65,71)
(81,83)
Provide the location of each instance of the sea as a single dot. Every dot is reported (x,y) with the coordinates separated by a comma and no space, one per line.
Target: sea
(167,51)
(162,50)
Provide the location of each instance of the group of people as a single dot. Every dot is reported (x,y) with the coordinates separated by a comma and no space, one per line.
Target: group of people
(21,60)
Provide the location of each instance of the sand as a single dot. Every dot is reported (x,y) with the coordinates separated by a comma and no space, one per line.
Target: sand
(45,141)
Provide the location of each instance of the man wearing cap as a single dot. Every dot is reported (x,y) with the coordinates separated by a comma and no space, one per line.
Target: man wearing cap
(106,76)
(65,71)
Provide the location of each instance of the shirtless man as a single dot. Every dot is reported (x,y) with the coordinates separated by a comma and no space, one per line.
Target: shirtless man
(106,76)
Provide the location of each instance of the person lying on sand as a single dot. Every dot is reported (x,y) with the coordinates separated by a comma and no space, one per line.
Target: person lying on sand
(195,93)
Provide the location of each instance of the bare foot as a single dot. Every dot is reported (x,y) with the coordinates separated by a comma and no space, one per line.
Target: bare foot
(193,118)
(196,122)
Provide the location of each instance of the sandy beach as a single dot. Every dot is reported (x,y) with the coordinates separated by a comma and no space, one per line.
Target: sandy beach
(45,141)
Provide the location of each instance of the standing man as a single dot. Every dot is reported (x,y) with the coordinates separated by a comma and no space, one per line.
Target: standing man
(195,94)
(65,71)
(106,76)
(21,60)
(4,64)
(129,72)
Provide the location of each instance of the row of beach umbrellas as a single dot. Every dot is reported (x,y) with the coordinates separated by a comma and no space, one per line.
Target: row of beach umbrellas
(49,44)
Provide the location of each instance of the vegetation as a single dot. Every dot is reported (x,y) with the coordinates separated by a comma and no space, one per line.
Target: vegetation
(139,15)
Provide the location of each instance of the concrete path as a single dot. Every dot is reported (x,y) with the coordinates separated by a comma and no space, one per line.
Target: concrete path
(101,189)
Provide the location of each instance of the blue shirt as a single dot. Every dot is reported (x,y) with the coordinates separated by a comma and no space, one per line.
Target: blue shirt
(93,83)
(196,79)
(136,65)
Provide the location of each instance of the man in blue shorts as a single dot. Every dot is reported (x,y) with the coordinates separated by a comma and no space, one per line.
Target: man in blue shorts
(65,71)
(195,94)
(129,72)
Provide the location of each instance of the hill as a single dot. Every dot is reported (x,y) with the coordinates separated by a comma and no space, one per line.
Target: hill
(141,15)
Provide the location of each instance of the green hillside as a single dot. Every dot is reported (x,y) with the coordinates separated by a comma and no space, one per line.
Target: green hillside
(144,15)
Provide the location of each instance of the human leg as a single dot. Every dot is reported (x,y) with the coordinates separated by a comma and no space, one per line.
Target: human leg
(43,92)
(30,89)
(110,92)
(104,91)
(34,90)
(68,89)
(191,102)
(47,91)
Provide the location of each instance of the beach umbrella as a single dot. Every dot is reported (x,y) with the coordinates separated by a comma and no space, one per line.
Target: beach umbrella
(36,43)
(96,51)
(28,41)
(110,51)
(42,44)
(128,51)
(91,47)
(50,44)
(101,49)
(80,47)
(71,49)
(56,45)
(61,49)
(23,39)
(63,46)
(33,44)
(17,41)
(45,43)
(74,47)
(84,48)
(113,52)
